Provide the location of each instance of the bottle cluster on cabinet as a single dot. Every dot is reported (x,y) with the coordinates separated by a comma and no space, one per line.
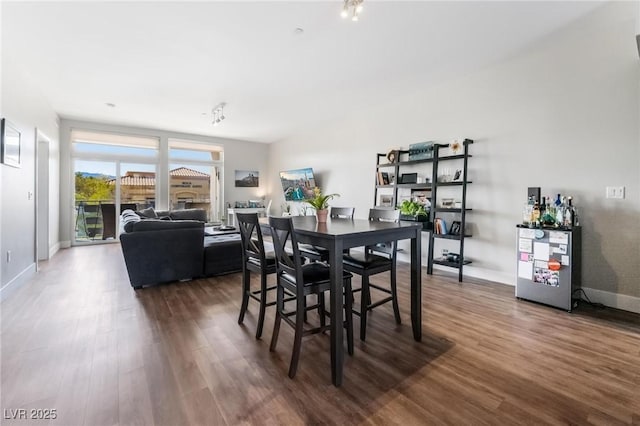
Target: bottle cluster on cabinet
(548,212)
(428,182)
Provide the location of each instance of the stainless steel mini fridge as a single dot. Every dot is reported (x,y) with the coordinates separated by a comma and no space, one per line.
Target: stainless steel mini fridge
(549,263)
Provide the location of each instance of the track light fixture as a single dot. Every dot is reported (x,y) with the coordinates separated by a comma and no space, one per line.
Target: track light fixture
(218,114)
(353,8)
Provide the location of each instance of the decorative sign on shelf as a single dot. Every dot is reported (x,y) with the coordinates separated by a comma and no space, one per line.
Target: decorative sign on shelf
(420,151)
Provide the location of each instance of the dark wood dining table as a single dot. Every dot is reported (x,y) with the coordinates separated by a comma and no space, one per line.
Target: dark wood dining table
(339,234)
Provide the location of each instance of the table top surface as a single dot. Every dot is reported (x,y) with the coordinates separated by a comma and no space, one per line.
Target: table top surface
(341,227)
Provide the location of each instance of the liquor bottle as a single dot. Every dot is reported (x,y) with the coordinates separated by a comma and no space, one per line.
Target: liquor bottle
(571,212)
(536,214)
(550,209)
(558,202)
(527,212)
(567,212)
(543,206)
(559,212)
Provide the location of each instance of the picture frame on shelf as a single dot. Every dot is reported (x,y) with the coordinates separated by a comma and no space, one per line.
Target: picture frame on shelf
(447,203)
(455,228)
(408,178)
(386,200)
(383,178)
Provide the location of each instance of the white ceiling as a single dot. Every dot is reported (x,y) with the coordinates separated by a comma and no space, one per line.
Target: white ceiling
(163,64)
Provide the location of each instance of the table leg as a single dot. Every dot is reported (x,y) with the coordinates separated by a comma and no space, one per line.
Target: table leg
(416,286)
(337,348)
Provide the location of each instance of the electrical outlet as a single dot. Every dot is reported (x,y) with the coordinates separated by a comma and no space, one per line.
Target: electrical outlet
(615,192)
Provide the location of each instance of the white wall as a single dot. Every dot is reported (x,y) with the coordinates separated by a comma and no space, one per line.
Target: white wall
(237,154)
(26,108)
(246,156)
(562,115)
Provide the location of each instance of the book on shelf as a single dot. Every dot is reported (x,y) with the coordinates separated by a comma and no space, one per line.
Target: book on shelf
(383,178)
(440,226)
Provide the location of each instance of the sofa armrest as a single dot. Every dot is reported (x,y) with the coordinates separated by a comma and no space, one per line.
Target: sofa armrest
(162,255)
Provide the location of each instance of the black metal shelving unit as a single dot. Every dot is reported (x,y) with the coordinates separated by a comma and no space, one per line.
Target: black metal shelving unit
(461,211)
(396,166)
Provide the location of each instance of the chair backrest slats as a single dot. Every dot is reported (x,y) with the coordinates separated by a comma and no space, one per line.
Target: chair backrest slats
(282,234)
(382,215)
(342,212)
(251,247)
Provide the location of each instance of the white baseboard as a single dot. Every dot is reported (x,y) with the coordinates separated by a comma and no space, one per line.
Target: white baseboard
(54,249)
(65,244)
(607,298)
(613,300)
(18,281)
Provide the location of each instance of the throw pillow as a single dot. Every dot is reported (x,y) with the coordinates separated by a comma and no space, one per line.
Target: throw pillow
(129,217)
(148,213)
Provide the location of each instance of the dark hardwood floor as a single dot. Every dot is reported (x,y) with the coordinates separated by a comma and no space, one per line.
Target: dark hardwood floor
(80,340)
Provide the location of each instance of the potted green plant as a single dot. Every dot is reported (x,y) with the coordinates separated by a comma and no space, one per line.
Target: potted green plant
(320,202)
(412,210)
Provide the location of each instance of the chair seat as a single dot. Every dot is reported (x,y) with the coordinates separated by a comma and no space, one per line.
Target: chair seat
(366,260)
(308,249)
(270,259)
(314,274)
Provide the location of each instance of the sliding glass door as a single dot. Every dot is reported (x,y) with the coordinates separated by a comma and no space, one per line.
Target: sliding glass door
(94,189)
(111,173)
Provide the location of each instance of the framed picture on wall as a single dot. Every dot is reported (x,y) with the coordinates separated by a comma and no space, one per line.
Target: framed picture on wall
(247,178)
(9,144)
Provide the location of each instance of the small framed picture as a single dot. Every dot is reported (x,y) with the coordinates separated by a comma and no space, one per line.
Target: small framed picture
(455,228)
(386,200)
(385,178)
(408,178)
(447,203)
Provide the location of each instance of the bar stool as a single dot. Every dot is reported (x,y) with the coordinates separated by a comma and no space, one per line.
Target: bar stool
(302,280)
(375,259)
(254,259)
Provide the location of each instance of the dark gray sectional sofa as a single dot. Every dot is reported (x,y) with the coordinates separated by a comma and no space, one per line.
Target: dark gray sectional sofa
(171,246)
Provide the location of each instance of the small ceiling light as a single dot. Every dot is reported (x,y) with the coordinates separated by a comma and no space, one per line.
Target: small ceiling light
(110,105)
(355,6)
(298,31)
(218,114)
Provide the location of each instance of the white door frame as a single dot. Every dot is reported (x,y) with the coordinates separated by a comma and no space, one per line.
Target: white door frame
(41,197)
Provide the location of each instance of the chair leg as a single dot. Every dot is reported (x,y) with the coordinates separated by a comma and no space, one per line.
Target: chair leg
(263,303)
(276,324)
(394,295)
(348,307)
(304,307)
(297,342)
(364,307)
(246,288)
(321,309)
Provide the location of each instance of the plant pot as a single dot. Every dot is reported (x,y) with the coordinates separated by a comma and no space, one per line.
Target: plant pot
(414,218)
(322,215)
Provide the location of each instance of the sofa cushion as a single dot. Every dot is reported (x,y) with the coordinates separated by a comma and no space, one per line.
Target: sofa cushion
(222,254)
(159,225)
(149,213)
(189,214)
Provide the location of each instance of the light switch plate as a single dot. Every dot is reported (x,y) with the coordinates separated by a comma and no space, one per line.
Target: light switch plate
(615,192)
